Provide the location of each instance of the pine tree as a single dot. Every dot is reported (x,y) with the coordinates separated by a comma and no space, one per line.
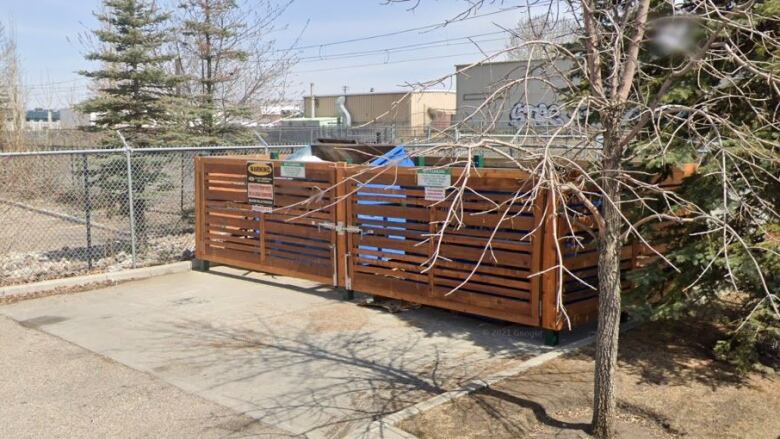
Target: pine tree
(136,97)
(135,89)
(753,210)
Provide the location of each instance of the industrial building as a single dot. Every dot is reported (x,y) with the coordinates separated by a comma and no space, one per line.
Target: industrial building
(534,102)
(413,110)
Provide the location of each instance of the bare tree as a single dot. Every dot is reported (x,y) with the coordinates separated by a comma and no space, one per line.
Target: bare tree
(651,84)
(550,26)
(12,107)
(226,48)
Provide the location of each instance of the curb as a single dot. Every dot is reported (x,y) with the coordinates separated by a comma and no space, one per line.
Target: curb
(386,426)
(32,289)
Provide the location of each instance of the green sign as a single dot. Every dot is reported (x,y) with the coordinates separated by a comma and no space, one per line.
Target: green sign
(293,170)
(434,178)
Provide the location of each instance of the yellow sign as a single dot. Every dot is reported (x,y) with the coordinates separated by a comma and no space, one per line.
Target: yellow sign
(260,169)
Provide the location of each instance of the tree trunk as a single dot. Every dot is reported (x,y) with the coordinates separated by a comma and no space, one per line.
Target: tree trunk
(610,248)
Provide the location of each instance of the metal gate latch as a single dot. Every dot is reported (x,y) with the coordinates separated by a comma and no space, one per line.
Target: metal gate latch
(340,228)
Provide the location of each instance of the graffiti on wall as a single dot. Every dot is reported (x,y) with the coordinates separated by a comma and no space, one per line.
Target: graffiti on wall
(523,114)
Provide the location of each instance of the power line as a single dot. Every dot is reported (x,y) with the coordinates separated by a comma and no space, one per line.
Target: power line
(408,30)
(405,48)
(48,84)
(453,55)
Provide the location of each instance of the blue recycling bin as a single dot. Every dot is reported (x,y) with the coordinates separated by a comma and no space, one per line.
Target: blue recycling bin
(399,157)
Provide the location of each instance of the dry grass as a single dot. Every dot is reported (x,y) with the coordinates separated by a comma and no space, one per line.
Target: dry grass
(669,384)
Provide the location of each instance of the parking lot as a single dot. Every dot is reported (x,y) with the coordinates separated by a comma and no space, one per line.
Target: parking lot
(288,354)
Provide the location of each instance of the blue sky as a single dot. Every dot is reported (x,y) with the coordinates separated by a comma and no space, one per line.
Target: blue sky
(47,33)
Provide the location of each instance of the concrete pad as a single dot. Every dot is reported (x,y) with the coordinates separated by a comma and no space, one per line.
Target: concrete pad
(284,351)
(50,388)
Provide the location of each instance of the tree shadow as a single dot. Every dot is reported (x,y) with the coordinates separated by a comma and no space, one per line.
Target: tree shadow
(309,383)
(498,337)
(538,410)
(686,354)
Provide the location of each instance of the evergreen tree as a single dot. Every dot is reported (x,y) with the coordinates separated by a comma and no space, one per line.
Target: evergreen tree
(135,89)
(747,170)
(135,96)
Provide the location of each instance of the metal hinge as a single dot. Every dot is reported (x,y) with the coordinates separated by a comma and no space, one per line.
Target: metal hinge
(340,228)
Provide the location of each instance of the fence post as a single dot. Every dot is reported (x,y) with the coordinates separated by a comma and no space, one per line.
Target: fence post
(130,201)
(181,184)
(551,322)
(87,210)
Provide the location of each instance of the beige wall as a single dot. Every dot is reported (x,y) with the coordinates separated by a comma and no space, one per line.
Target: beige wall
(364,108)
(423,102)
(399,109)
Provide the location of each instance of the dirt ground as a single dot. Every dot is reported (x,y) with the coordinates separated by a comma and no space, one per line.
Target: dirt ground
(669,386)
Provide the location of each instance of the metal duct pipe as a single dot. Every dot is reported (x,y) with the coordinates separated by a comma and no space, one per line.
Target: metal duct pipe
(341,106)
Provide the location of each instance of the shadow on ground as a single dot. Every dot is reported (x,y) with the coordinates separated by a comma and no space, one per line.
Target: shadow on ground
(662,366)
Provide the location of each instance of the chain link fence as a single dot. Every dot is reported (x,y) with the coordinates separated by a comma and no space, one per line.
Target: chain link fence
(412,135)
(64,213)
(67,212)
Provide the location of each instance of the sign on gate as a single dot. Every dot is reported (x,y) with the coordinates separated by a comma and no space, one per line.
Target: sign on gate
(293,170)
(436,182)
(260,185)
(434,178)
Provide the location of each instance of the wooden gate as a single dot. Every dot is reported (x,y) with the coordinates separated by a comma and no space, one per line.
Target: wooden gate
(233,227)
(392,227)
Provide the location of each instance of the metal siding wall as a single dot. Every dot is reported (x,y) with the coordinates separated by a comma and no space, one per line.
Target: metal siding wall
(365,108)
(326,106)
(475,85)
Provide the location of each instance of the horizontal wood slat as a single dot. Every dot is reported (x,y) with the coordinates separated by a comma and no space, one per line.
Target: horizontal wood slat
(288,240)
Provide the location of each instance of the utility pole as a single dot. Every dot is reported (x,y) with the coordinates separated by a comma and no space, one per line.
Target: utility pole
(311,99)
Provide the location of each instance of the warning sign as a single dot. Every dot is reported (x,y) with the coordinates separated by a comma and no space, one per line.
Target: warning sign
(260,185)
(435,193)
(434,178)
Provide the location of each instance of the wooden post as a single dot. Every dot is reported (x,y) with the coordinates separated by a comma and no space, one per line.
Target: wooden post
(431,246)
(549,288)
(537,255)
(339,193)
(200,218)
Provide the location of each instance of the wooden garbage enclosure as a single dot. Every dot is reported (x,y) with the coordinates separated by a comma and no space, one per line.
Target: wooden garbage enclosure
(391,238)
(374,230)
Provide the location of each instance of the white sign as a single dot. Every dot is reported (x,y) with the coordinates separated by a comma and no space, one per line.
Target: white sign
(441,178)
(293,170)
(262,209)
(435,193)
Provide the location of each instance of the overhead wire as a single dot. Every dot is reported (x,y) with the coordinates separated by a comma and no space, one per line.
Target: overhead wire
(412,29)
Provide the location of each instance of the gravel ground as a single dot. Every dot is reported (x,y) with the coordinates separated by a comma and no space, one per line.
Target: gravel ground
(26,267)
(50,388)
